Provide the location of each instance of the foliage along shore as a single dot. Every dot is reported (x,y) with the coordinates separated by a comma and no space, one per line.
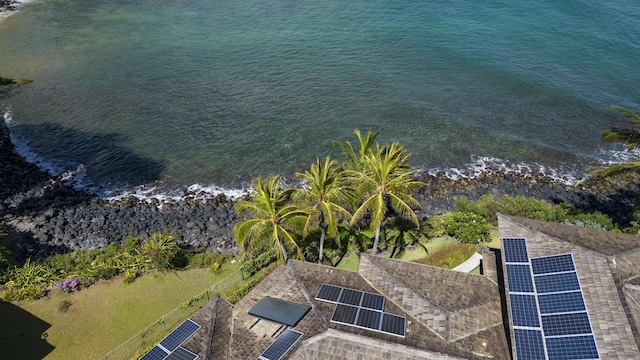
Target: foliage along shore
(44,216)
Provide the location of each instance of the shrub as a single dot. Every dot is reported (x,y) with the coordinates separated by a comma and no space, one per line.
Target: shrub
(252,266)
(205,259)
(160,249)
(236,294)
(68,285)
(214,267)
(466,227)
(104,272)
(130,275)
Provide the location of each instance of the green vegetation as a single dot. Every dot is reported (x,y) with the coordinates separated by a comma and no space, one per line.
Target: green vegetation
(71,272)
(101,317)
(273,219)
(381,177)
(376,180)
(326,193)
(450,256)
(466,227)
(487,207)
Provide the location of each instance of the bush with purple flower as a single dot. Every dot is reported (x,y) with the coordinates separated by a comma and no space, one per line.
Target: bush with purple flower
(68,286)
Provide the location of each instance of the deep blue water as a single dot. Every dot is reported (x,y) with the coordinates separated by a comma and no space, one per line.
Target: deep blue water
(218,92)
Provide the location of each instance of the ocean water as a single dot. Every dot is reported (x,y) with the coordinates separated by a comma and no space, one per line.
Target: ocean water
(168,95)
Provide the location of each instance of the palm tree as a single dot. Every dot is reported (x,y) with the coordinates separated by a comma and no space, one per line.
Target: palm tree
(365,145)
(629,137)
(326,193)
(385,180)
(272,217)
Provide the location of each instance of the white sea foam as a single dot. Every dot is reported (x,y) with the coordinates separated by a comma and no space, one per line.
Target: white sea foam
(483,164)
(24,150)
(16,5)
(160,193)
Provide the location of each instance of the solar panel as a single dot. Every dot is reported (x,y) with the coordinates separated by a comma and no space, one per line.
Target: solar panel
(515,250)
(519,278)
(280,311)
(182,354)
(369,319)
(282,345)
(524,311)
(372,301)
(529,344)
(393,324)
(572,347)
(345,314)
(351,297)
(552,264)
(329,293)
(566,324)
(180,335)
(557,282)
(561,302)
(155,354)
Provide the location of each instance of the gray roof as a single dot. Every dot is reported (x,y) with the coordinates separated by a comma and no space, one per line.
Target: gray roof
(451,315)
(606,264)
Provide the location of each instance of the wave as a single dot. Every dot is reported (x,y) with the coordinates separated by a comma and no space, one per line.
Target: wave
(480,165)
(159,193)
(15,5)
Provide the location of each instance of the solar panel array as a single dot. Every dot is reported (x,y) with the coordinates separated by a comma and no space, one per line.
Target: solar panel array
(282,345)
(548,312)
(362,309)
(169,348)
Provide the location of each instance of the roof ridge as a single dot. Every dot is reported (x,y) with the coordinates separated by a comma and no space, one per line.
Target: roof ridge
(429,315)
(310,300)
(537,231)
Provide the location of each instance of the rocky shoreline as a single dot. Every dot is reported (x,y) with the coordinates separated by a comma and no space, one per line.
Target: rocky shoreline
(45,216)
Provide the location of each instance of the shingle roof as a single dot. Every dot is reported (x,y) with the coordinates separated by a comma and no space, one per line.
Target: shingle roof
(469,327)
(604,261)
(601,241)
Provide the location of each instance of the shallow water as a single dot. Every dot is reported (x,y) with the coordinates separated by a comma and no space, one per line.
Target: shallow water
(214,93)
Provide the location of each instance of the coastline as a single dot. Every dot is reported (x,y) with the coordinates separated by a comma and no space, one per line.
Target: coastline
(10,7)
(44,215)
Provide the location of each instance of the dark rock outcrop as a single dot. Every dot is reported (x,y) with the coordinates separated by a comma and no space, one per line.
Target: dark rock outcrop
(45,216)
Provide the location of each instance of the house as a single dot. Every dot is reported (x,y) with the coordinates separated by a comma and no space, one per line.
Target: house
(441,314)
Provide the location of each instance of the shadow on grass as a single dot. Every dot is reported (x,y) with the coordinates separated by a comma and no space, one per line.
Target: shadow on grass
(22,335)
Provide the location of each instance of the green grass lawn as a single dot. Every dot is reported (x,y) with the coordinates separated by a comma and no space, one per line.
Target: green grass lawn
(106,314)
(349,262)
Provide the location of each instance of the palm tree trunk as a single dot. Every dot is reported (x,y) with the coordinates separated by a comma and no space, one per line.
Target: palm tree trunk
(283,250)
(322,235)
(375,242)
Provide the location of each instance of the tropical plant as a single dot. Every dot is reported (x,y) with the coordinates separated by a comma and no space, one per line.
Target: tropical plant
(628,136)
(355,158)
(272,219)
(467,227)
(28,281)
(385,181)
(160,249)
(326,194)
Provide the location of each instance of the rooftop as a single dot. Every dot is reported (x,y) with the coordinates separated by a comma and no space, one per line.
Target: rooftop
(449,314)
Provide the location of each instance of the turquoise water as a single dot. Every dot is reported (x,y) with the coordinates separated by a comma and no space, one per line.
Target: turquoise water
(217,92)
